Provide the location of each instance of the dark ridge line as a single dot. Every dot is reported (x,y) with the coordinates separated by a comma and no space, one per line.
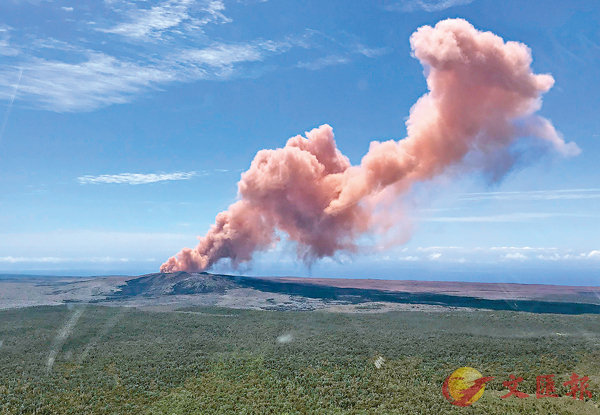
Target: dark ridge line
(135,287)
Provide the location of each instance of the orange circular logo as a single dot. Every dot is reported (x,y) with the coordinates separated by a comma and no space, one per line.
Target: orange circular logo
(464,386)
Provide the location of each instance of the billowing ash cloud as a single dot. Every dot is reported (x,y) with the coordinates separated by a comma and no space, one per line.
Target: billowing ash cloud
(482,96)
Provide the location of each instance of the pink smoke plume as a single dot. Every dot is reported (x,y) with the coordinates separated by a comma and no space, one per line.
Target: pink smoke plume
(482,96)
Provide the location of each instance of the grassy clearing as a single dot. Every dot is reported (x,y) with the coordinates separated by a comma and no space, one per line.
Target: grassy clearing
(118,360)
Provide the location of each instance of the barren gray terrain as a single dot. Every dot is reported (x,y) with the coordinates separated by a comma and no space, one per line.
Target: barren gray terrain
(173,291)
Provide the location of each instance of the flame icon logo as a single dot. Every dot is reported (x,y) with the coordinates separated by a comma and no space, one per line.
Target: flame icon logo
(464,386)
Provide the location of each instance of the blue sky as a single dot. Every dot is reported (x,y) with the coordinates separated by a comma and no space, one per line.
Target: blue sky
(126,125)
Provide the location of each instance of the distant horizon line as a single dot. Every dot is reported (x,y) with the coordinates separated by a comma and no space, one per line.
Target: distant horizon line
(8,275)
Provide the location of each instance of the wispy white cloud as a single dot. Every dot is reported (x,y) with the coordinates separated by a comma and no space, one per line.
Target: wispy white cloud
(489,249)
(502,256)
(16,260)
(438,248)
(508,217)
(153,22)
(323,62)
(515,256)
(150,47)
(370,52)
(6,48)
(225,55)
(426,5)
(99,79)
(342,58)
(558,256)
(521,249)
(560,194)
(502,253)
(409,258)
(136,178)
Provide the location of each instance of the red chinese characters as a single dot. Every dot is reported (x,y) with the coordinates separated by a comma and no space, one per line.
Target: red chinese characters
(545,387)
(512,386)
(580,385)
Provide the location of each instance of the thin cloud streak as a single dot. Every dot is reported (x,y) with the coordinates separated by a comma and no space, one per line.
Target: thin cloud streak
(425,5)
(488,249)
(510,217)
(136,178)
(10,104)
(323,62)
(560,194)
(492,254)
(342,58)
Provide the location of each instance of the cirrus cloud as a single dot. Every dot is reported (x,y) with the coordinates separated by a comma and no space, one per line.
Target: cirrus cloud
(135,178)
(425,5)
(143,47)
